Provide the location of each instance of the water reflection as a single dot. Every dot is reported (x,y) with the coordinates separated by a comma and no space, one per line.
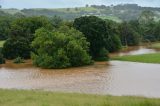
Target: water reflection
(115,78)
(135,51)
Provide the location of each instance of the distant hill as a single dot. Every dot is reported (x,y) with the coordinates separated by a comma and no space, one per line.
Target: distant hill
(122,12)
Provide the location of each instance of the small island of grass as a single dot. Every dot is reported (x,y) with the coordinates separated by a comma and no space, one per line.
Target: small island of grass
(144,58)
(155,45)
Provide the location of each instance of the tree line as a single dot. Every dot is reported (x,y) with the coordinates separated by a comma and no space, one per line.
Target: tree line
(56,43)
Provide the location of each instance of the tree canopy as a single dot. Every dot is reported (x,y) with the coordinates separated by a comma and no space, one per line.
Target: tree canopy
(21,35)
(60,49)
(97,33)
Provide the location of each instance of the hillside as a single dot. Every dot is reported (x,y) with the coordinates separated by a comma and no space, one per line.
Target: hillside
(116,13)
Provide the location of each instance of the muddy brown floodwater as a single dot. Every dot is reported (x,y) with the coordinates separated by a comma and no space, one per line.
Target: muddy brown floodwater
(114,78)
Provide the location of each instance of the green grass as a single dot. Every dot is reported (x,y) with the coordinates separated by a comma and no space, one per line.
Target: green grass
(1,43)
(39,98)
(155,45)
(144,58)
(72,10)
(113,18)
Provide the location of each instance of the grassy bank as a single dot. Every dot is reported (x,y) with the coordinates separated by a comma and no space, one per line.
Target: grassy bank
(155,46)
(1,43)
(144,58)
(38,98)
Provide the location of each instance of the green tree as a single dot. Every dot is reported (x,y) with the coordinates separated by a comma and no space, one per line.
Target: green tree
(114,42)
(129,37)
(5,24)
(25,27)
(16,47)
(97,32)
(2,60)
(21,35)
(60,49)
(146,17)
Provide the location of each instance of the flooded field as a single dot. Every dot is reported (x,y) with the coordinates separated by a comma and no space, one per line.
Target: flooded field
(114,77)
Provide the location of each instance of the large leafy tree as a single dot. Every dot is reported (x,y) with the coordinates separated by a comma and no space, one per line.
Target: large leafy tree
(21,35)
(129,37)
(114,42)
(156,31)
(16,47)
(148,24)
(26,27)
(60,49)
(98,33)
(5,24)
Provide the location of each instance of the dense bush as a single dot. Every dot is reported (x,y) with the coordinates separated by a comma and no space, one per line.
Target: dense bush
(18,60)
(21,35)
(2,60)
(129,37)
(98,33)
(5,24)
(60,49)
(103,55)
(16,47)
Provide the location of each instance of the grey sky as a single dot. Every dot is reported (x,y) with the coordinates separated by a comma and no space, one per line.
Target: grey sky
(71,3)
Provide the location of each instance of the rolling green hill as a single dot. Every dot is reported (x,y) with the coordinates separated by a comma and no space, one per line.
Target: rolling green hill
(116,13)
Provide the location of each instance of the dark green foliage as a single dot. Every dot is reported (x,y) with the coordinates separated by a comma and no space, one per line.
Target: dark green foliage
(2,60)
(156,31)
(21,35)
(103,55)
(98,33)
(60,49)
(136,26)
(152,31)
(4,27)
(18,60)
(25,27)
(114,44)
(16,47)
(94,29)
(129,37)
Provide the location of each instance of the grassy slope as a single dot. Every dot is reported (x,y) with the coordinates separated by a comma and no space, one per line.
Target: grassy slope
(145,58)
(1,43)
(11,11)
(86,9)
(113,18)
(38,98)
(71,10)
(155,45)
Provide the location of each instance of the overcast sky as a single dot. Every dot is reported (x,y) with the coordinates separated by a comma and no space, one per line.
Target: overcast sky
(71,3)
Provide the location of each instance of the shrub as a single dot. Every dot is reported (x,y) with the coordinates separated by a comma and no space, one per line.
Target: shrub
(16,47)
(60,49)
(18,60)
(98,33)
(2,60)
(103,55)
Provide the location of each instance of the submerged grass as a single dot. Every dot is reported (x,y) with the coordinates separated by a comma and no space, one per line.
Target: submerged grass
(144,58)
(155,46)
(39,98)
